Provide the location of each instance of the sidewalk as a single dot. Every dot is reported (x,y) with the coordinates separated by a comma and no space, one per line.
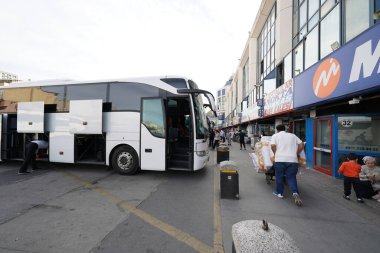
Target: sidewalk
(325,223)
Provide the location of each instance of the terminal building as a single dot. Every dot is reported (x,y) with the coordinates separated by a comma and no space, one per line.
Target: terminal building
(313,66)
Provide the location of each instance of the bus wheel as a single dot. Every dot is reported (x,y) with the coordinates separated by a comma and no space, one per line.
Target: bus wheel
(125,160)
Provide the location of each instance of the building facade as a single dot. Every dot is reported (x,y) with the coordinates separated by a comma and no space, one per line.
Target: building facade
(314,66)
(222,104)
(6,77)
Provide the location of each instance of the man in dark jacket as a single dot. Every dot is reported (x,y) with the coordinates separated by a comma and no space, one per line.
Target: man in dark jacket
(241,136)
(211,136)
(30,158)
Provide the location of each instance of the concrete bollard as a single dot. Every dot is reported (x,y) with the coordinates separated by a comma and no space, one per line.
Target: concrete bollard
(259,236)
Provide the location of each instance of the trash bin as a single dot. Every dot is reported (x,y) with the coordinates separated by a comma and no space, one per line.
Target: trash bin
(222,154)
(229,180)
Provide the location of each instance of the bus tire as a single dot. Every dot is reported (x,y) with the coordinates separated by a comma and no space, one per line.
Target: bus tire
(125,160)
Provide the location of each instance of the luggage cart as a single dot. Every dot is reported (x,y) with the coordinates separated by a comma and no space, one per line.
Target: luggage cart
(269,175)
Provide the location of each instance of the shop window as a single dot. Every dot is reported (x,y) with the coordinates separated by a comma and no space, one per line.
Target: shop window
(330,31)
(359,134)
(343,158)
(279,74)
(298,59)
(299,129)
(327,5)
(313,7)
(288,67)
(323,134)
(311,47)
(314,20)
(269,85)
(357,13)
(303,32)
(376,10)
(266,43)
(245,79)
(267,129)
(323,160)
(376,14)
(295,22)
(303,14)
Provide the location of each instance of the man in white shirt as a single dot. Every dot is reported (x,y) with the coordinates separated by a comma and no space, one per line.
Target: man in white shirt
(30,157)
(286,148)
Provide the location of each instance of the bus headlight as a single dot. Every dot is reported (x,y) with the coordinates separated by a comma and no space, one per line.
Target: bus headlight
(201,153)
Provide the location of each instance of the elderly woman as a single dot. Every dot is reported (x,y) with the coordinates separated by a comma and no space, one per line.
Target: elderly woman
(370,178)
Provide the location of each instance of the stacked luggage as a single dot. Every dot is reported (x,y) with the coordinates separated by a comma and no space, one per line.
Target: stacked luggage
(263,158)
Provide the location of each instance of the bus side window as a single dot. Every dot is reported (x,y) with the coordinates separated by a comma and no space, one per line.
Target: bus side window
(10,98)
(127,96)
(107,107)
(53,97)
(49,108)
(86,92)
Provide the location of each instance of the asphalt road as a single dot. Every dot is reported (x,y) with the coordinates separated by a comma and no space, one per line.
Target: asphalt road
(67,208)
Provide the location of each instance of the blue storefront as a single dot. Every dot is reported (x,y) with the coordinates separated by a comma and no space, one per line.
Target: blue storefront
(341,93)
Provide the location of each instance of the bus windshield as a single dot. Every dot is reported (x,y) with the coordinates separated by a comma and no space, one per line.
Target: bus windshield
(201,125)
(200,117)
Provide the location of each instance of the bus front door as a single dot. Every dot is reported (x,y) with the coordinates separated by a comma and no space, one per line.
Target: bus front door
(180,140)
(152,132)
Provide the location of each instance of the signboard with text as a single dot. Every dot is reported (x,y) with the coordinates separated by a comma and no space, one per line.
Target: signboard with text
(279,100)
(351,69)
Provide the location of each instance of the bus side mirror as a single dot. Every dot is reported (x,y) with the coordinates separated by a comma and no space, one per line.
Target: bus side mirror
(209,106)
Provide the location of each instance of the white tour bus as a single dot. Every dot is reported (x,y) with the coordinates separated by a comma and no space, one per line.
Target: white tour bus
(153,123)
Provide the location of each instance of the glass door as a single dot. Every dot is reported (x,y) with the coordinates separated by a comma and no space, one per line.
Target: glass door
(299,129)
(323,145)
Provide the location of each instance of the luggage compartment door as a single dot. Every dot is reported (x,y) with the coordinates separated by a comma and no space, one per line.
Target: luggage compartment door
(86,116)
(30,117)
(61,147)
(152,127)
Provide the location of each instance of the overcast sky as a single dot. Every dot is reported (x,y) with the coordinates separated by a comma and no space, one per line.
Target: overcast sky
(100,39)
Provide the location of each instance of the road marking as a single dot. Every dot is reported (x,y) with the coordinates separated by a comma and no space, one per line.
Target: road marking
(218,235)
(168,229)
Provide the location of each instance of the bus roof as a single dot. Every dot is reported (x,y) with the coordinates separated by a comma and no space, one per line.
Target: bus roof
(151,80)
